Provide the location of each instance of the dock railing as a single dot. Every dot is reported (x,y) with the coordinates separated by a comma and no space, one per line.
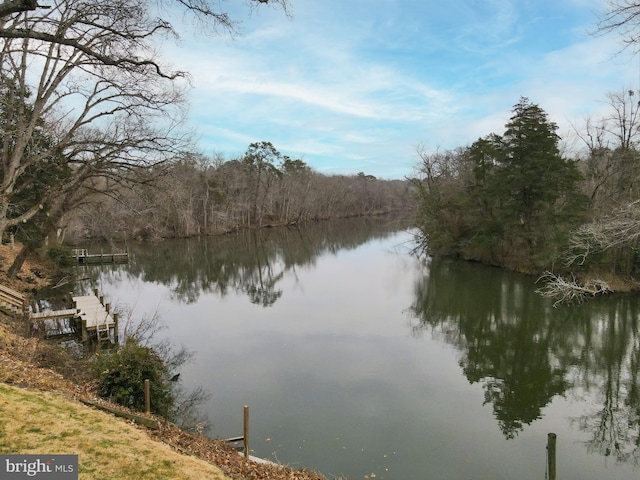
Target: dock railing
(16,301)
(83,257)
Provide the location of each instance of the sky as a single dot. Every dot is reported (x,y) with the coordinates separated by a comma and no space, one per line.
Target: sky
(354,86)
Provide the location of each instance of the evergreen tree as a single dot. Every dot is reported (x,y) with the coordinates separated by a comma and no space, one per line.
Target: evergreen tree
(539,189)
(488,232)
(510,200)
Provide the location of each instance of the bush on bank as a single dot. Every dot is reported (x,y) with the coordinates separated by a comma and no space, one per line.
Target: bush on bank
(121,375)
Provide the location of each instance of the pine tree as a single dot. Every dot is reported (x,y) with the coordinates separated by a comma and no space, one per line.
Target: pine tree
(507,200)
(537,188)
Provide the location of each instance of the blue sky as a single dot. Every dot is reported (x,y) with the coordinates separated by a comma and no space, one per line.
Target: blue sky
(357,85)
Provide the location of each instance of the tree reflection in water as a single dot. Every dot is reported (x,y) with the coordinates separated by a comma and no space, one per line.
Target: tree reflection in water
(524,352)
(251,262)
(608,365)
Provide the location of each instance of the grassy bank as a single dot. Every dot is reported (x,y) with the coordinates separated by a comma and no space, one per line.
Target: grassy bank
(107,447)
(40,412)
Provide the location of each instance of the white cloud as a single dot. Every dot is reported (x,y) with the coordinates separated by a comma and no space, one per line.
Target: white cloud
(344,81)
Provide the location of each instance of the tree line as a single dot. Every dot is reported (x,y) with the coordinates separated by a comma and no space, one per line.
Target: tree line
(200,195)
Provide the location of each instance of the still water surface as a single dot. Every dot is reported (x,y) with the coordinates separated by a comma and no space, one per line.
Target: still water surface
(358,359)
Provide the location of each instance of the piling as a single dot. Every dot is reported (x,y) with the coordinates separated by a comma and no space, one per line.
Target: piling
(551,455)
(85,334)
(115,328)
(246,432)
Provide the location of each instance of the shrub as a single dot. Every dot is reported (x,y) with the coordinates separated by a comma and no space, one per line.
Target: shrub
(121,375)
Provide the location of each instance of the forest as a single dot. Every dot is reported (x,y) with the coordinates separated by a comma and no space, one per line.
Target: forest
(526,201)
(198,195)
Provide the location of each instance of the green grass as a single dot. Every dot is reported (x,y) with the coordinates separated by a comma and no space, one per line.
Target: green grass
(107,447)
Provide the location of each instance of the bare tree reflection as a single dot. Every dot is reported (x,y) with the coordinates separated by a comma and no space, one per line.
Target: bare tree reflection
(252,262)
(524,353)
(615,426)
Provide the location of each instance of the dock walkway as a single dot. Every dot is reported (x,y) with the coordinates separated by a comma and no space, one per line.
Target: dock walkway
(91,313)
(88,314)
(94,316)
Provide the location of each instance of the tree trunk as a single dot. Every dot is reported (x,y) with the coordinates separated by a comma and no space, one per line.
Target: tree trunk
(17,263)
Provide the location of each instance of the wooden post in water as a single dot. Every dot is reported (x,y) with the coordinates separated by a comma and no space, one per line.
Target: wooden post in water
(115,328)
(246,432)
(551,455)
(147,397)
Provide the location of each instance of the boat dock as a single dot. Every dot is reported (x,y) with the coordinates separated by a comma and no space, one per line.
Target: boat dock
(95,317)
(83,257)
(88,315)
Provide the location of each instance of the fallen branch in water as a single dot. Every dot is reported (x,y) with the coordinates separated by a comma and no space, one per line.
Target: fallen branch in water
(568,291)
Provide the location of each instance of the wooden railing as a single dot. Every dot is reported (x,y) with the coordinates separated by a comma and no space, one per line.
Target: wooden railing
(13,299)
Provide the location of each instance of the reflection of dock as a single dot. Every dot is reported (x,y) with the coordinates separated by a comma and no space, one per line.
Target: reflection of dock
(83,257)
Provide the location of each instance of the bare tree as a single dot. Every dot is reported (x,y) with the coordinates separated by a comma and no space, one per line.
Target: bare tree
(619,230)
(207,11)
(622,16)
(611,165)
(101,118)
(614,238)
(86,76)
(568,290)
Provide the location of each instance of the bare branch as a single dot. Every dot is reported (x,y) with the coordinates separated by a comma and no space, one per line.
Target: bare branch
(568,290)
(83,92)
(621,229)
(622,16)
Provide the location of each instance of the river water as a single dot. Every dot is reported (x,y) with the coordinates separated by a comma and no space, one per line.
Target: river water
(358,359)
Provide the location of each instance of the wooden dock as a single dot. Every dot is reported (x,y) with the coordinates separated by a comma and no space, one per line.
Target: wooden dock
(89,313)
(83,257)
(95,317)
